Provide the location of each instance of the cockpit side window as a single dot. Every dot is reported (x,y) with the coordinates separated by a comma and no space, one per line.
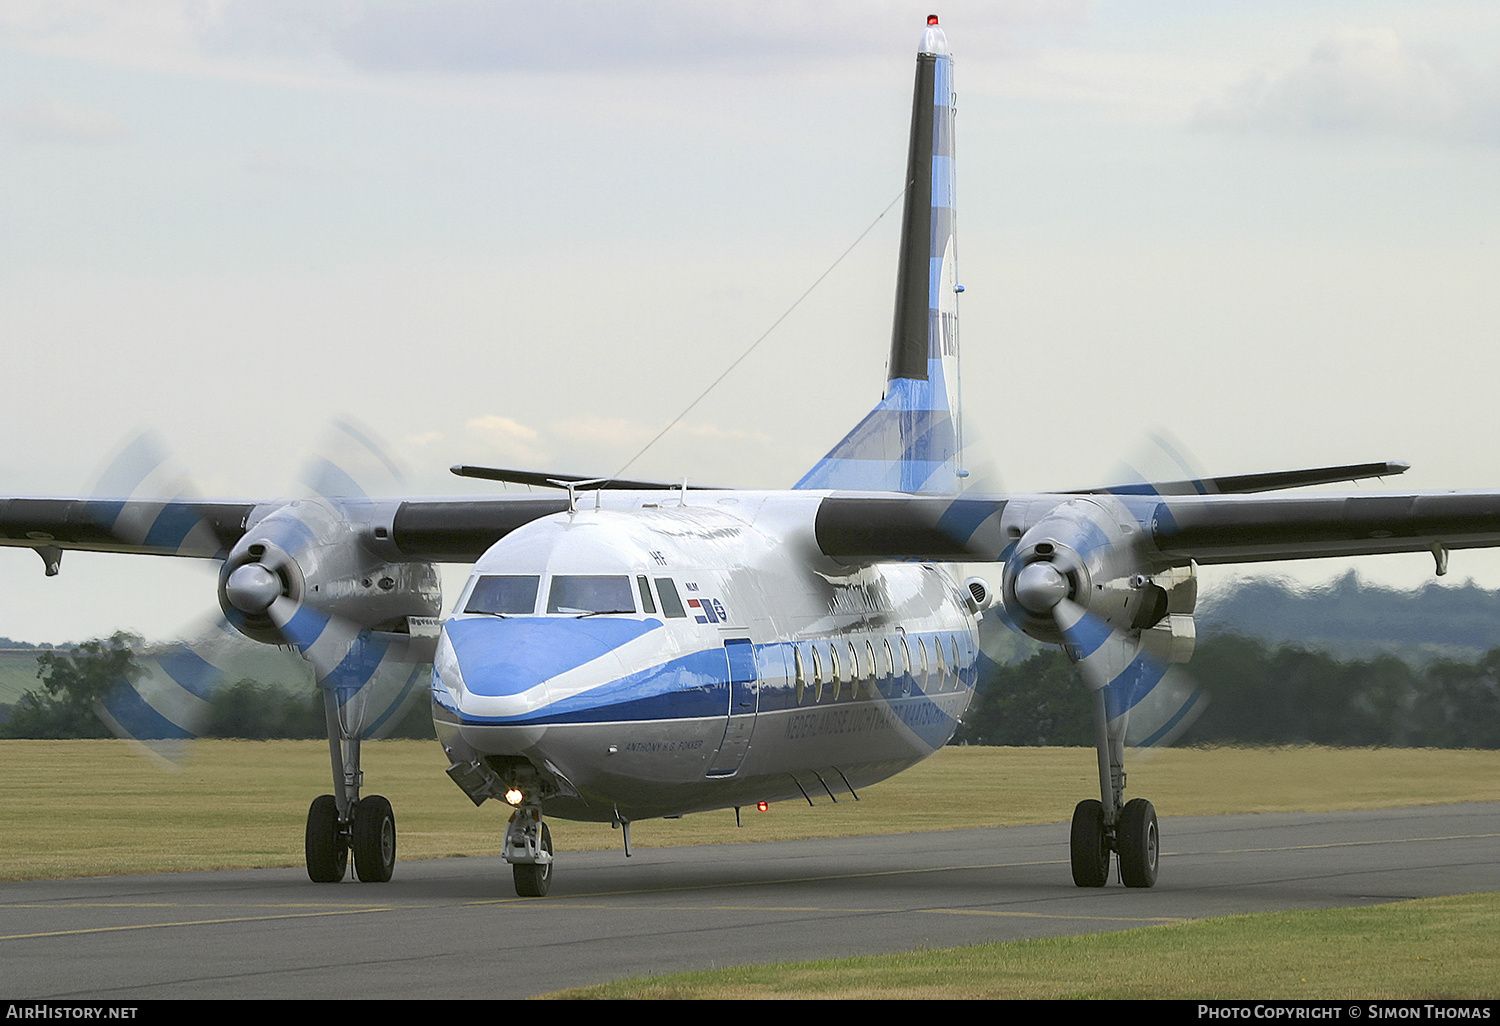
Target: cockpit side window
(579,593)
(671,605)
(647,605)
(504,593)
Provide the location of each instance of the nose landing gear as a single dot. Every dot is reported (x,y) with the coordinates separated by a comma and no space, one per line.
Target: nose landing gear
(528,849)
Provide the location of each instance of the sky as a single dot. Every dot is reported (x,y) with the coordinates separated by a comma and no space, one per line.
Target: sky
(530,235)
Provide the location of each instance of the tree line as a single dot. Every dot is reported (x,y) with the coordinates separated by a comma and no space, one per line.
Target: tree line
(1262,694)
(75,680)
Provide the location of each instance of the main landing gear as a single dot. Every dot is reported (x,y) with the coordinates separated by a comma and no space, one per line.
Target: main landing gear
(369,834)
(343,823)
(1133,836)
(1113,825)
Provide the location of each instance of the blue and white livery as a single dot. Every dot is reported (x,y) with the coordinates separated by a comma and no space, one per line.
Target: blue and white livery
(632,650)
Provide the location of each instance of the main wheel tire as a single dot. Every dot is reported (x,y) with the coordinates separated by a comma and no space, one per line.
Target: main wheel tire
(326,849)
(1089,847)
(374,840)
(532,880)
(1139,842)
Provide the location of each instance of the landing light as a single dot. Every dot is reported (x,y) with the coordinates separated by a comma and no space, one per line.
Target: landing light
(514,796)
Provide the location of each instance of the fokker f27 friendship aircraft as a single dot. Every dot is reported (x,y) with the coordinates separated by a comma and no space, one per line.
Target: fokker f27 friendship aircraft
(630,650)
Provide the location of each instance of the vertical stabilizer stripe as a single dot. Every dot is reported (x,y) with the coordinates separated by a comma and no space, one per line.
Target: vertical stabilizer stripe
(912,441)
(909,336)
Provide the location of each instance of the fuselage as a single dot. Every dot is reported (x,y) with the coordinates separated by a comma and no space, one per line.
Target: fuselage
(684,656)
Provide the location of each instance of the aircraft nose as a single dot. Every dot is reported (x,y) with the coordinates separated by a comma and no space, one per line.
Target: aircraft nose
(511,667)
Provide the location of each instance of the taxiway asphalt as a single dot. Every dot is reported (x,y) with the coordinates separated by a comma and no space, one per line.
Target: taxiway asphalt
(453,928)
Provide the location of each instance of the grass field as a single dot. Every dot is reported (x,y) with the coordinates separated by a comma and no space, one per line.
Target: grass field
(89,808)
(83,808)
(1434,948)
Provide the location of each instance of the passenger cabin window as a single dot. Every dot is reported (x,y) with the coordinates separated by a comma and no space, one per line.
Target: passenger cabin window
(671,605)
(504,593)
(582,595)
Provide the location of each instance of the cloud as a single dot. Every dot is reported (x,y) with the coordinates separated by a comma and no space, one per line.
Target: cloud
(712,432)
(468,36)
(275,163)
(57,121)
(611,433)
(1363,82)
(487,36)
(508,438)
(590,442)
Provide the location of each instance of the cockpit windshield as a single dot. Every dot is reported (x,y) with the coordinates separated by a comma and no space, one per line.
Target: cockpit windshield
(580,594)
(504,594)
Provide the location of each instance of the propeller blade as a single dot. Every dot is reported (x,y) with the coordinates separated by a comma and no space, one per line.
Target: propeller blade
(1160,699)
(350,462)
(167,699)
(375,675)
(142,470)
(1166,711)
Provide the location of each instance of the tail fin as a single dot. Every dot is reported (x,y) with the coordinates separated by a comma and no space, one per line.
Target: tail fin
(912,440)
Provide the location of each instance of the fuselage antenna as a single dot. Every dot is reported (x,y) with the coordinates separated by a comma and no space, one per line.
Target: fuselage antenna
(573,486)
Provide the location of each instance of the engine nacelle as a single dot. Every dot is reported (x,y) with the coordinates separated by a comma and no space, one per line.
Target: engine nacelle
(1087,550)
(309,554)
(1174,636)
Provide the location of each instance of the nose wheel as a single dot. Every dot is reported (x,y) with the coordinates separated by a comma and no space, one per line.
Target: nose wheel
(528,849)
(534,880)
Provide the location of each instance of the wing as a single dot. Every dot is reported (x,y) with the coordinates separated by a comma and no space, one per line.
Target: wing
(542,479)
(850,527)
(348,583)
(853,528)
(156,527)
(457,530)
(1231,529)
(1240,484)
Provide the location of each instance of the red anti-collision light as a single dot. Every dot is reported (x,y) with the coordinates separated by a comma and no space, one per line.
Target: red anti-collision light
(932,19)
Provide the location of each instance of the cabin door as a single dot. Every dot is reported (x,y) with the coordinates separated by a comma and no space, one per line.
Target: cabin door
(744,692)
